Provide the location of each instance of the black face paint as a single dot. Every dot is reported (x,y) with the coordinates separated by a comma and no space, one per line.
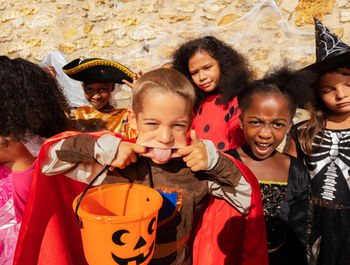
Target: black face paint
(116,238)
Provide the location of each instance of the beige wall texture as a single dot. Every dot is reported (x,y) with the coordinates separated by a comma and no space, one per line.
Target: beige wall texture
(142,34)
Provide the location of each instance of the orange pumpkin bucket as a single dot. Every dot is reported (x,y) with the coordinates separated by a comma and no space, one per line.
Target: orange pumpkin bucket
(119,223)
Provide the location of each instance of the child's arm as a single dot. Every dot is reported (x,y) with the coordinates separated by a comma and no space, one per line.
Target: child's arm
(15,154)
(297,211)
(292,147)
(21,163)
(82,157)
(293,143)
(134,80)
(227,180)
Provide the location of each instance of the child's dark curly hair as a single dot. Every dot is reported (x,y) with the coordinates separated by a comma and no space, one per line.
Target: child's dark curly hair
(294,85)
(31,101)
(234,71)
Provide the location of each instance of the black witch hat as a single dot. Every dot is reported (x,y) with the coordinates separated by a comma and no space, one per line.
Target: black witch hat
(97,70)
(331,52)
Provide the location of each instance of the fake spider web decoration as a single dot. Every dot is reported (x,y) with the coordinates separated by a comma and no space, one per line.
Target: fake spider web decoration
(262,35)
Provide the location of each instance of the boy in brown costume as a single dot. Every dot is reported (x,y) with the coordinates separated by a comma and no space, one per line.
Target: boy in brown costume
(183,174)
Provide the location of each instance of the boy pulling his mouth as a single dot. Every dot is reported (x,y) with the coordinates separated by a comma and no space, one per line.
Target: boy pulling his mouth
(162,113)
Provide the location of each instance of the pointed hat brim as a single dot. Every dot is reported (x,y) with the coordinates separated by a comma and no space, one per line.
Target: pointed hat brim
(331,63)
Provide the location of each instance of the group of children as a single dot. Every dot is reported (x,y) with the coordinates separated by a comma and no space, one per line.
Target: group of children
(203,127)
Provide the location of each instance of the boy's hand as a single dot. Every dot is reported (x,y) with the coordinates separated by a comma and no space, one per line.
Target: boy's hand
(195,155)
(134,80)
(126,154)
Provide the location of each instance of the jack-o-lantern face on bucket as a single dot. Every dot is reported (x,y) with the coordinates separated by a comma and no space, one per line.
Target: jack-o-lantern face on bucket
(130,250)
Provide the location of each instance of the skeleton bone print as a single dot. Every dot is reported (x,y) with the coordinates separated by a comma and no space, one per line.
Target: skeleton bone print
(329,166)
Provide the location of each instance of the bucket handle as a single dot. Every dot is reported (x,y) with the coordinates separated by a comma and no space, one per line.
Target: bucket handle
(80,223)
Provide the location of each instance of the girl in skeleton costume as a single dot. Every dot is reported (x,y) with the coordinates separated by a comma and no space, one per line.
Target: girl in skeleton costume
(323,142)
(267,108)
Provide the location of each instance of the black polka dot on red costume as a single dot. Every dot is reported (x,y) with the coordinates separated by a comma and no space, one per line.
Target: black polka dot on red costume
(206,128)
(231,110)
(217,101)
(221,146)
(229,138)
(200,111)
(227,117)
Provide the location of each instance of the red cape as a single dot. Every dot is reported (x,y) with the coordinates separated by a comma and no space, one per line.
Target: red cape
(227,237)
(49,233)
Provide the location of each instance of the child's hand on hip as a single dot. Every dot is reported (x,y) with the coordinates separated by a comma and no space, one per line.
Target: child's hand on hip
(126,154)
(195,155)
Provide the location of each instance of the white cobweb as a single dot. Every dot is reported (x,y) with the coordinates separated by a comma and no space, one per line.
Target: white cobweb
(262,35)
(71,88)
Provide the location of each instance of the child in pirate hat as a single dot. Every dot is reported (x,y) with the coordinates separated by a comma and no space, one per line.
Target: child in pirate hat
(323,143)
(98,77)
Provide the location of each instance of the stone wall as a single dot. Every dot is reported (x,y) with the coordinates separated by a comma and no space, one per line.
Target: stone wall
(142,34)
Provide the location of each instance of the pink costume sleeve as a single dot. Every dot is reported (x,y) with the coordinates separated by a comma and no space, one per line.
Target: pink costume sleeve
(21,181)
(8,225)
(5,185)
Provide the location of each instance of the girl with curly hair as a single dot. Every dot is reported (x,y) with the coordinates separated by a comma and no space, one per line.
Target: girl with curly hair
(32,109)
(219,73)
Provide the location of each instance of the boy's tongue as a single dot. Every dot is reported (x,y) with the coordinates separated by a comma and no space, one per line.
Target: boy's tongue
(160,154)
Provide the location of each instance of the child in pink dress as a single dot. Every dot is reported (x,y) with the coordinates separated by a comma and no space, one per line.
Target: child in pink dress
(8,224)
(33,108)
(12,204)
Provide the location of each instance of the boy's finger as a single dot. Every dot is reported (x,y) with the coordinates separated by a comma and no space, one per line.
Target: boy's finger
(125,163)
(196,167)
(127,83)
(194,137)
(147,155)
(190,163)
(139,149)
(184,150)
(133,158)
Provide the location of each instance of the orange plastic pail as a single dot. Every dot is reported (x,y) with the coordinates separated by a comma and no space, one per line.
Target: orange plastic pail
(119,223)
